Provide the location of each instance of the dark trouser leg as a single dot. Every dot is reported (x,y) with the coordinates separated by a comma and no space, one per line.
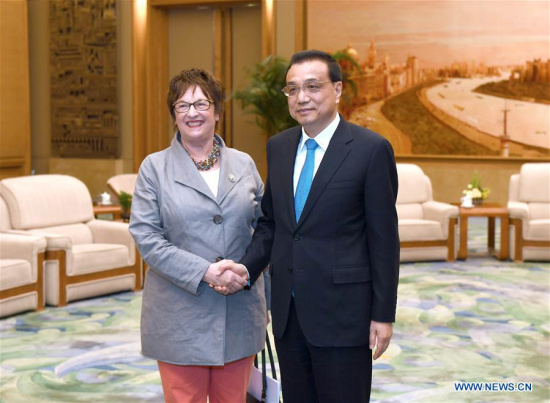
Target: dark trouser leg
(295,362)
(342,374)
(311,374)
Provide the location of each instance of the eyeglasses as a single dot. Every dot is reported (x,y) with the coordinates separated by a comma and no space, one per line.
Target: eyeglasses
(310,87)
(199,105)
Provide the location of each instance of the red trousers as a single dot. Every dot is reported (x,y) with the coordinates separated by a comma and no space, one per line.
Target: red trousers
(193,383)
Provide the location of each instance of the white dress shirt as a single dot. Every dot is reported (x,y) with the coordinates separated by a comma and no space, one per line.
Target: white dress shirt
(322,139)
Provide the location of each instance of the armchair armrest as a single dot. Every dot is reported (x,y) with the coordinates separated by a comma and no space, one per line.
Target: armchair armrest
(442,212)
(24,247)
(111,232)
(438,211)
(518,210)
(53,241)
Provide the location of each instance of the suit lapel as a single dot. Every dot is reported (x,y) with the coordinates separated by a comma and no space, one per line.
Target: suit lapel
(337,151)
(229,175)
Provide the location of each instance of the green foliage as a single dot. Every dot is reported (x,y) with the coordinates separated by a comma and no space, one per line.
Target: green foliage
(476,181)
(349,94)
(427,134)
(343,58)
(263,96)
(475,189)
(125,200)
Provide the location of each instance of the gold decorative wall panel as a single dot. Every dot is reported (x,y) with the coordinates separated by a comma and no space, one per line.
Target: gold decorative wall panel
(83,73)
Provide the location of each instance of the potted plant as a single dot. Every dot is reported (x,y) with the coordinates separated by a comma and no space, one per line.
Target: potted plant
(349,67)
(263,96)
(125,201)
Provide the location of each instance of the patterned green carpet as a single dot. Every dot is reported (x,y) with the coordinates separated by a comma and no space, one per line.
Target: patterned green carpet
(475,321)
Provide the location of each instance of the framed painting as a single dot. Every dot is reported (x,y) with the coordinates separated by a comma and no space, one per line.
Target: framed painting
(443,77)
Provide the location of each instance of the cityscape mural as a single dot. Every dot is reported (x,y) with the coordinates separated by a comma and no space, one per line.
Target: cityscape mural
(443,77)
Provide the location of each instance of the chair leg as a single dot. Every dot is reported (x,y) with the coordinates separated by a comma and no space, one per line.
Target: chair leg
(451,240)
(41,295)
(518,226)
(138,270)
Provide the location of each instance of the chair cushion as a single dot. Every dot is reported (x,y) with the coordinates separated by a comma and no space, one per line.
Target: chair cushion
(414,185)
(410,211)
(46,200)
(15,273)
(534,183)
(420,230)
(539,230)
(91,258)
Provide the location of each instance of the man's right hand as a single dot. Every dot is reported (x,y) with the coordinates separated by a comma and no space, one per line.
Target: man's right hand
(226,277)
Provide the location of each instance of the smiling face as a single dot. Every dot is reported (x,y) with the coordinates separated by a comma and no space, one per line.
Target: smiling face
(196,127)
(314,111)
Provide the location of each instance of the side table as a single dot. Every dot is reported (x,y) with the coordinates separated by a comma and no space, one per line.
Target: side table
(491,211)
(113,209)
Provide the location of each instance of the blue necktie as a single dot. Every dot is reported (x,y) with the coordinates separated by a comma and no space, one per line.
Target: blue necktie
(306,177)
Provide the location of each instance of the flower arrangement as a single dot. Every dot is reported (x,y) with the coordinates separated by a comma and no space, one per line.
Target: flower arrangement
(475,190)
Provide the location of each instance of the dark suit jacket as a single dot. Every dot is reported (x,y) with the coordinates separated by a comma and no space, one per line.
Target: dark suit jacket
(342,257)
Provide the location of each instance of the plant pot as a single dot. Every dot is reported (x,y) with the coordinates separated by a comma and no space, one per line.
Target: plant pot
(125,215)
(477,201)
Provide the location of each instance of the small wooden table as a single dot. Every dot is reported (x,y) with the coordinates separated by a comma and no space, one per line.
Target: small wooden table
(113,209)
(491,211)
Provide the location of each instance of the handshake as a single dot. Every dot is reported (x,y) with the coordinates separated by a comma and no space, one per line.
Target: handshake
(226,277)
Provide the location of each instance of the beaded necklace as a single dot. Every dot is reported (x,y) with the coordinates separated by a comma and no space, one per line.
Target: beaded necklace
(213,157)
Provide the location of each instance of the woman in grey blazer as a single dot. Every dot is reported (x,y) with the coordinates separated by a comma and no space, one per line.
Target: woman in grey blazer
(195,204)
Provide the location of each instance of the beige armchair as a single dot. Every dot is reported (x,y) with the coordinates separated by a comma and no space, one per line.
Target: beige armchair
(21,273)
(529,209)
(124,182)
(426,227)
(85,257)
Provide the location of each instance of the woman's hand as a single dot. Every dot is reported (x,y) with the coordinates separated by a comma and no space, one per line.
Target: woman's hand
(226,277)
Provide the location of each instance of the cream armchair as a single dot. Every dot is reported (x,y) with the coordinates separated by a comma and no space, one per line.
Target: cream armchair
(21,273)
(124,182)
(426,227)
(529,209)
(85,257)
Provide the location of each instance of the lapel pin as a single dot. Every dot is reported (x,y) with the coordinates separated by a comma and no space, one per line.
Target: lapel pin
(231,178)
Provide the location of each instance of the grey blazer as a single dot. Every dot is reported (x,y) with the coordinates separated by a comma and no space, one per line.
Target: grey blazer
(180,228)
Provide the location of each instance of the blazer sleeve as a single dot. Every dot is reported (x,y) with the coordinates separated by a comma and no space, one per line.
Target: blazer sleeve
(382,231)
(258,253)
(258,195)
(182,268)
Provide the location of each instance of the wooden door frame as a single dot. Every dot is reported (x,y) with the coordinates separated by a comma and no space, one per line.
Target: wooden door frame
(151,121)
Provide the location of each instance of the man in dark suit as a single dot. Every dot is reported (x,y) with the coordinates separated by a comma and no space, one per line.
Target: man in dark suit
(329,230)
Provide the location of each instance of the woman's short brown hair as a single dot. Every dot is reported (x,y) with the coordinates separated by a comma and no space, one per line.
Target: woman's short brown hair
(210,85)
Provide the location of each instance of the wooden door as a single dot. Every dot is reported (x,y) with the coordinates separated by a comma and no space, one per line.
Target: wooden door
(15,131)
